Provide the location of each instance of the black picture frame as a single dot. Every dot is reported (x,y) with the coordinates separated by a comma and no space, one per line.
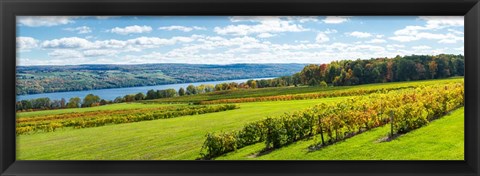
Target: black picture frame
(11,8)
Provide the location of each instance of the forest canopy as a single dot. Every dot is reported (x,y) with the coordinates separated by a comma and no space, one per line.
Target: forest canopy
(379,70)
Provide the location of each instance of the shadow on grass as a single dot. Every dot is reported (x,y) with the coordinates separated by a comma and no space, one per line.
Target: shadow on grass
(319,146)
(389,138)
(266,151)
(260,153)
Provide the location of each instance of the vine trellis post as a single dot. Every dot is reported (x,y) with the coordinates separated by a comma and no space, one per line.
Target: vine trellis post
(391,124)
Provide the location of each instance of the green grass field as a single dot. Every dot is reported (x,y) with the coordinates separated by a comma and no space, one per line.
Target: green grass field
(168,139)
(181,138)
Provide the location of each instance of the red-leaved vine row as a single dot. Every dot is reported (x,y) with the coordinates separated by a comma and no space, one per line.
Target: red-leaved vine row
(53,122)
(337,93)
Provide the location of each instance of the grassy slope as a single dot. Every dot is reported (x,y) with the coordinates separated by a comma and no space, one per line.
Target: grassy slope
(442,139)
(119,106)
(243,93)
(176,138)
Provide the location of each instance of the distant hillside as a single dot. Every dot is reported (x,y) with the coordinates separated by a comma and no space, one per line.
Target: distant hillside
(43,79)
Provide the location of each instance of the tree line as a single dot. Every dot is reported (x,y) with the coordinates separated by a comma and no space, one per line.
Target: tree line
(92,100)
(89,100)
(375,70)
(380,70)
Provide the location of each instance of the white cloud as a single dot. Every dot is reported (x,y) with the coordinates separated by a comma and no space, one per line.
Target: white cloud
(442,21)
(80,30)
(265,35)
(65,54)
(247,49)
(409,30)
(433,23)
(106,17)
(451,39)
(112,43)
(303,19)
(403,38)
(152,42)
(322,38)
(330,31)
(335,19)
(266,25)
(208,42)
(376,41)
(442,38)
(427,35)
(372,48)
(96,53)
(135,44)
(456,31)
(220,50)
(26,43)
(251,18)
(307,19)
(69,42)
(37,21)
(302,41)
(421,47)
(135,29)
(49,61)
(199,28)
(246,41)
(395,47)
(181,28)
(359,34)
(461,49)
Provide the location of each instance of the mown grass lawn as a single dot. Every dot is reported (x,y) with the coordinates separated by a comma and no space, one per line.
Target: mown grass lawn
(178,138)
(442,139)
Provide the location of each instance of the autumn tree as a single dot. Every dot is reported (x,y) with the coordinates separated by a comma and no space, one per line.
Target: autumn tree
(421,71)
(200,89)
(181,91)
(103,102)
(63,103)
(129,98)
(209,88)
(191,90)
(74,102)
(139,96)
(389,76)
(119,100)
(432,67)
(151,94)
(90,100)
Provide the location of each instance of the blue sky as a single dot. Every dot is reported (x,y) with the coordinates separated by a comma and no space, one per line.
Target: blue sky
(61,40)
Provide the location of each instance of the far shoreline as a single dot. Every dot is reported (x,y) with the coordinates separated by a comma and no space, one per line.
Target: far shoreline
(33,96)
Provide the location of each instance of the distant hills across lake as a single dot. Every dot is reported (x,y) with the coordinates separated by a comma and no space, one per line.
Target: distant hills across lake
(46,79)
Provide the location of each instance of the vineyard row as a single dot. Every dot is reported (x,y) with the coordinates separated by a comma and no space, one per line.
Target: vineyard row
(409,108)
(329,94)
(65,120)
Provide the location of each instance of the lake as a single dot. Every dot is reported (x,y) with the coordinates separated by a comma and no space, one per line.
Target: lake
(111,94)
